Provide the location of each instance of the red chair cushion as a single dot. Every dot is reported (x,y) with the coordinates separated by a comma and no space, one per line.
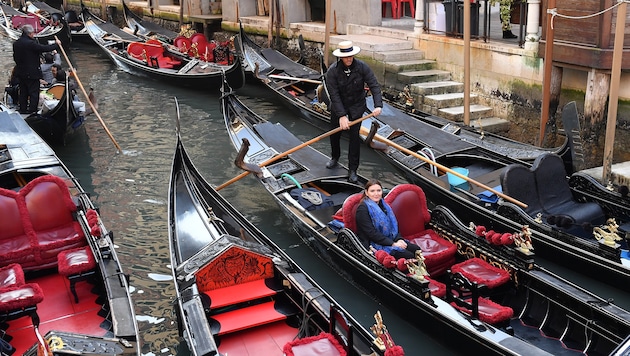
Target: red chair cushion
(16,235)
(137,51)
(489,311)
(322,344)
(11,275)
(409,204)
(182,43)
(349,211)
(410,207)
(198,38)
(437,288)
(20,297)
(481,272)
(75,261)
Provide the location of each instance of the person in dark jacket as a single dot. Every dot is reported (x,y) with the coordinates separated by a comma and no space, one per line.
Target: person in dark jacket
(345,83)
(377,225)
(26,54)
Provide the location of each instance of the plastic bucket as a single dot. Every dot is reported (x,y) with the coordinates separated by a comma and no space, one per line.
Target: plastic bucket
(455,180)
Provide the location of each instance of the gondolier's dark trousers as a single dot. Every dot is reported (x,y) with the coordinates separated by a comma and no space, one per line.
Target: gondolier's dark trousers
(354,148)
(29,94)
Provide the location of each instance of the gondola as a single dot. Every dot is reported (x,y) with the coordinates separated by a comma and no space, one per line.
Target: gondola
(485,162)
(574,220)
(146,28)
(62,115)
(45,30)
(151,58)
(236,288)
(297,86)
(62,288)
(488,296)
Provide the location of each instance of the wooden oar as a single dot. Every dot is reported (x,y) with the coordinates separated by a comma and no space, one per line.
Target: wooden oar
(286,153)
(365,131)
(76,76)
(286,77)
(128,41)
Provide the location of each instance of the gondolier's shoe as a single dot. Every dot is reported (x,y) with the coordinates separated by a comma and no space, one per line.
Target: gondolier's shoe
(333,163)
(352,177)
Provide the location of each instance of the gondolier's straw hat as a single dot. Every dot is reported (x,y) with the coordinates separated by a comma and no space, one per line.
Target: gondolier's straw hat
(346,49)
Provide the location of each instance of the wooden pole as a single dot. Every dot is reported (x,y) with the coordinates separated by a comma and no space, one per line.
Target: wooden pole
(378,137)
(270,29)
(544,116)
(327,32)
(288,152)
(286,77)
(466,62)
(76,76)
(613,101)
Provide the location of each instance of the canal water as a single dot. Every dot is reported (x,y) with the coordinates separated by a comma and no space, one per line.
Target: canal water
(131,187)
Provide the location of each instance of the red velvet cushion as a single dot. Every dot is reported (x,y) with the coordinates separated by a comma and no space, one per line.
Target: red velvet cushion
(349,211)
(76,261)
(11,275)
(16,233)
(136,50)
(410,207)
(481,272)
(19,297)
(489,311)
(322,344)
(182,43)
(48,202)
(434,248)
(198,38)
(437,288)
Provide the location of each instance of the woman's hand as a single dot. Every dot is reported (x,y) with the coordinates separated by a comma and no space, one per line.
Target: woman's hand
(400,243)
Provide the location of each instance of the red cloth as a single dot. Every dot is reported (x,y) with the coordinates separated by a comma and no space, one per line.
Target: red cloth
(323,344)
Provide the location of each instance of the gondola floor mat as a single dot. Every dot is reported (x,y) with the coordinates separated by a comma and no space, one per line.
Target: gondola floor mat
(265,340)
(245,318)
(240,293)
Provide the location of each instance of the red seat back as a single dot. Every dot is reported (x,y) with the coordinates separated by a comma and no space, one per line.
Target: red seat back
(136,50)
(410,207)
(198,38)
(349,211)
(48,202)
(182,43)
(10,215)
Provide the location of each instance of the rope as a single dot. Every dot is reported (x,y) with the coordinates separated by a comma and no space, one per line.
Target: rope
(290,177)
(554,13)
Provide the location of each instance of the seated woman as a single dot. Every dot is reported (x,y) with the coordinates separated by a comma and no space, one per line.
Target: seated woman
(377,225)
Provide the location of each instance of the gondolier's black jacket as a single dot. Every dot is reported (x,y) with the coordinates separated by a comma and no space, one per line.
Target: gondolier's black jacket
(346,88)
(26,53)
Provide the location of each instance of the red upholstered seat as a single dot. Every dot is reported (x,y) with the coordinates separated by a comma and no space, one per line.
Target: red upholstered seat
(489,311)
(198,38)
(182,43)
(154,49)
(349,211)
(16,235)
(76,265)
(437,288)
(136,50)
(18,301)
(481,272)
(410,207)
(11,275)
(322,344)
(50,209)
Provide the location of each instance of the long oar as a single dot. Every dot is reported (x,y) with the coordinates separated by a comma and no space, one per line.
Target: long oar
(286,77)
(128,41)
(286,153)
(364,131)
(76,76)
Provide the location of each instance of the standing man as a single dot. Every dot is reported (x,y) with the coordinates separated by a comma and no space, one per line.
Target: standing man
(345,82)
(26,52)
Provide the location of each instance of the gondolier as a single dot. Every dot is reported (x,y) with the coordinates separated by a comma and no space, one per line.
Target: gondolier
(26,52)
(345,81)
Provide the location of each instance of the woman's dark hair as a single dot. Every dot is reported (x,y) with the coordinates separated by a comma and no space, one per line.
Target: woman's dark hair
(61,74)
